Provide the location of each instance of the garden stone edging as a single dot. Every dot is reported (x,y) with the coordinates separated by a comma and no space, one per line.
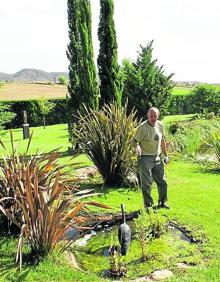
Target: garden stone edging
(157,275)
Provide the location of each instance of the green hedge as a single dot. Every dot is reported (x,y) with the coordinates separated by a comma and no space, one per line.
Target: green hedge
(179,105)
(57,115)
(204,98)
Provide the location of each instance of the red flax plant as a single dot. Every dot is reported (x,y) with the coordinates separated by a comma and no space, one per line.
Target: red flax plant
(45,203)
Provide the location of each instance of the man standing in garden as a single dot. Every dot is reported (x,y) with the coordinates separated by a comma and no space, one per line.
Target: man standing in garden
(148,141)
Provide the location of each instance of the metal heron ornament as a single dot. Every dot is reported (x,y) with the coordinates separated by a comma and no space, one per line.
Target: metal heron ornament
(124,233)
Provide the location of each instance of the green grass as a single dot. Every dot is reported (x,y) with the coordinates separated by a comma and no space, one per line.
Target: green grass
(194,197)
(177,118)
(181,90)
(53,269)
(52,137)
(44,140)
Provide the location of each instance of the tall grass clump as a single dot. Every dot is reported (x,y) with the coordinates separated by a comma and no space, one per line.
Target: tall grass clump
(188,136)
(40,199)
(192,142)
(105,136)
(214,147)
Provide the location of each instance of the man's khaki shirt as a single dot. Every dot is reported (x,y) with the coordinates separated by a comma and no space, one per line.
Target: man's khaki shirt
(149,138)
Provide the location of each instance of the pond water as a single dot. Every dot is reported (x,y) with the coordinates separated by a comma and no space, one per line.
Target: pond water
(93,251)
(178,234)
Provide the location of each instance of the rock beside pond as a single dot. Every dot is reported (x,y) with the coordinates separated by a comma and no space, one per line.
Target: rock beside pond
(161,274)
(182,265)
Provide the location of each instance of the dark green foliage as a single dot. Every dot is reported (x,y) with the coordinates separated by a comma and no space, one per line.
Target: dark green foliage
(73,53)
(179,105)
(110,85)
(6,115)
(83,86)
(145,83)
(105,136)
(205,99)
(57,115)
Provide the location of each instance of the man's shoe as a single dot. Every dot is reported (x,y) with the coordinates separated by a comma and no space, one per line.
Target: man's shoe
(163,205)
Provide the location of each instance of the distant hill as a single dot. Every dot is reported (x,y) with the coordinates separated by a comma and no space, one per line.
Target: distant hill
(31,75)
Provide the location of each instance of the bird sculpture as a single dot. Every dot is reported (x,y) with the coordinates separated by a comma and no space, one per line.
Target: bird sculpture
(124,233)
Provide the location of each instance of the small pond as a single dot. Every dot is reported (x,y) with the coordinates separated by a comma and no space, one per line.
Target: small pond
(92,251)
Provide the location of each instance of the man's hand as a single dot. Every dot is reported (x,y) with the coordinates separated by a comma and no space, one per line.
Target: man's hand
(166,160)
(138,150)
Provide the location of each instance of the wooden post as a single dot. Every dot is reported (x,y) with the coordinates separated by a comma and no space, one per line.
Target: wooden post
(25,126)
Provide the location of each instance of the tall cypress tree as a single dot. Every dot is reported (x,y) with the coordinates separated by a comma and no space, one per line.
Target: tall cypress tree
(88,73)
(110,86)
(73,50)
(83,86)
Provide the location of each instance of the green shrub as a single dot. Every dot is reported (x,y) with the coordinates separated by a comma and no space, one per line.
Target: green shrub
(6,115)
(118,268)
(205,99)
(105,136)
(63,80)
(45,107)
(149,225)
(179,105)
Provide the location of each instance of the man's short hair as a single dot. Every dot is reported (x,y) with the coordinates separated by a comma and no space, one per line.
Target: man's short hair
(154,109)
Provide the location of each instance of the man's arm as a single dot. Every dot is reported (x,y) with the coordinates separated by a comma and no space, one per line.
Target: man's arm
(164,146)
(136,146)
(135,141)
(164,150)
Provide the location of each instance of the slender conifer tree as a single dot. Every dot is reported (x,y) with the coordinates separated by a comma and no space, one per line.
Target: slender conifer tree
(108,68)
(83,86)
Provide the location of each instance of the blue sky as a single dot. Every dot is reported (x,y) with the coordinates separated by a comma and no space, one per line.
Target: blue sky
(34,34)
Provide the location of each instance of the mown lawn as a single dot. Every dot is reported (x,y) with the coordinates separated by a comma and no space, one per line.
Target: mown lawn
(194,197)
(177,118)
(53,136)
(43,140)
(181,90)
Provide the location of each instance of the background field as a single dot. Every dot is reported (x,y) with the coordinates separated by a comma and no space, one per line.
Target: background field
(181,90)
(30,91)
